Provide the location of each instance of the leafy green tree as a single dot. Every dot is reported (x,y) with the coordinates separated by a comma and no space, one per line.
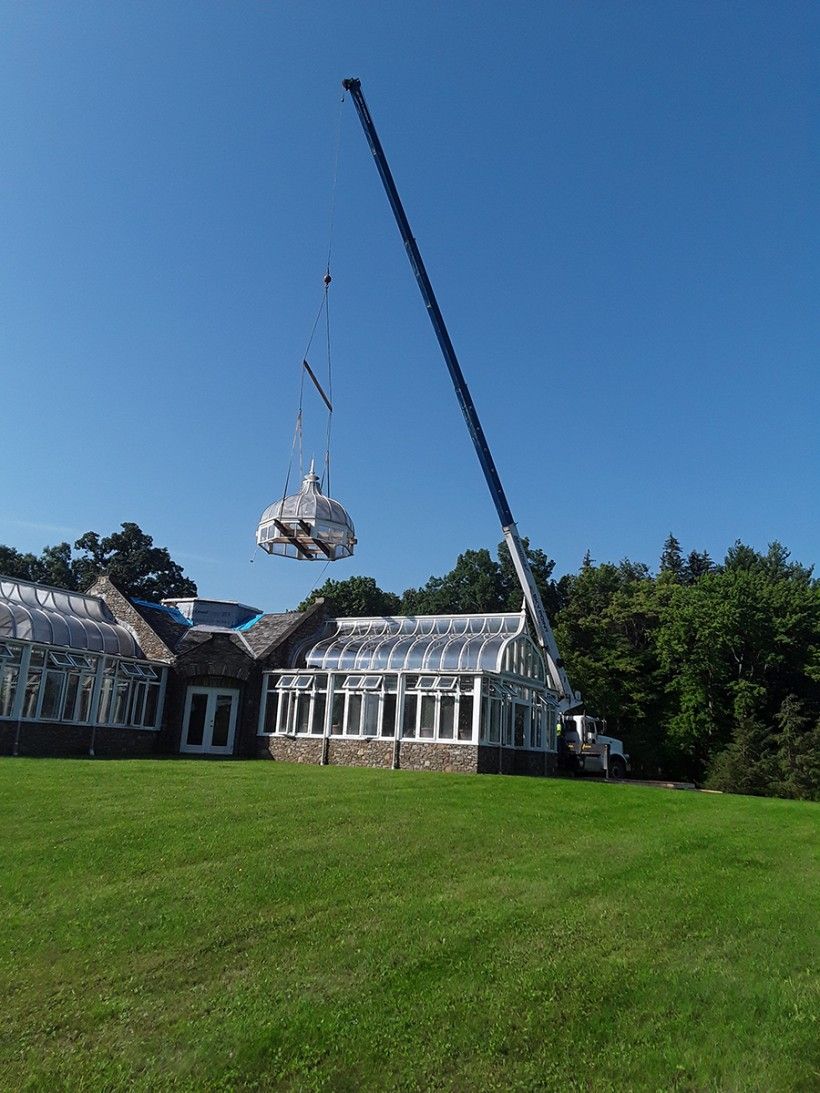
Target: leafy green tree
(53,567)
(754,623)
(479,583)
(56,567)
(131,560)
(355,597)
(128,556)
(25,567)
(605,631)
(474,584)
(774,563)
(542,568)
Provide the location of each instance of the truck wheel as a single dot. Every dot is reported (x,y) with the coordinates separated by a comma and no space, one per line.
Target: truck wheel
(617,768)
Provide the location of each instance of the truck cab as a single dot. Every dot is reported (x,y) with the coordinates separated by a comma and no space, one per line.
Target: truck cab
(586,747)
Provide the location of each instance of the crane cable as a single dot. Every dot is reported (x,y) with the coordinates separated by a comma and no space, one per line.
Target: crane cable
(324,306)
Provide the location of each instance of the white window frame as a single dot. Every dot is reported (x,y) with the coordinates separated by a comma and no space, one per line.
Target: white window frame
(66,663)
(466,686)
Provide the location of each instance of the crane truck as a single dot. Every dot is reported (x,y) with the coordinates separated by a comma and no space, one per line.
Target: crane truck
(583,742)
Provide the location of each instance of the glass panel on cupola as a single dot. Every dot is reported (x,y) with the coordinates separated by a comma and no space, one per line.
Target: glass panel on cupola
(307,526)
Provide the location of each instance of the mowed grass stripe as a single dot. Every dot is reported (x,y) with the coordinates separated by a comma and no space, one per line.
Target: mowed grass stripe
(255,925)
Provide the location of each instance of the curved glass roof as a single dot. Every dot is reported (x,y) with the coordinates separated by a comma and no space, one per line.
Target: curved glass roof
(428,643)
(35,612)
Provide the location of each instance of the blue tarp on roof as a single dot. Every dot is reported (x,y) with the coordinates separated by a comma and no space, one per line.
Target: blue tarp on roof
(251,622)
(174,612)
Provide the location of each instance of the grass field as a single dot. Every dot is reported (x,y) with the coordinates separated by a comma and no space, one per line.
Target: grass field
(255,925)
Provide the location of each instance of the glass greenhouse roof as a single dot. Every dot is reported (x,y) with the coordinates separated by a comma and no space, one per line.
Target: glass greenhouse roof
(431,643)
(35,612)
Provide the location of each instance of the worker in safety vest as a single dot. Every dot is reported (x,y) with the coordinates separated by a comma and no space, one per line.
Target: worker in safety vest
(561,742)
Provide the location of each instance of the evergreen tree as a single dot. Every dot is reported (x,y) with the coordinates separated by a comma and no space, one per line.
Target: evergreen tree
(698,564)
(748,764)
(798,753)
(672,559)
(740,556)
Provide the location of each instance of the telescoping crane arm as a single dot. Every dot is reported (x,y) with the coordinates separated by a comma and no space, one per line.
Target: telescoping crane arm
(535,605)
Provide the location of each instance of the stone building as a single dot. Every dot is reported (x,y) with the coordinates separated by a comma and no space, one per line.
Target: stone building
(106,674)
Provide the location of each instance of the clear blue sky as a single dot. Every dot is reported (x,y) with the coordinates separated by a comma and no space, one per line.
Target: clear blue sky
(617,207)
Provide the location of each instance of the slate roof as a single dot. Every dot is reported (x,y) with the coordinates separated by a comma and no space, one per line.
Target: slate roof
(162,622)
(257,641)
(270,630)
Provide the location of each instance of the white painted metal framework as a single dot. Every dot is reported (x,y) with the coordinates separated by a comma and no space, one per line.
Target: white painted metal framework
(64,658)
(46,683)
(459,679)
(494,643)
(35,612)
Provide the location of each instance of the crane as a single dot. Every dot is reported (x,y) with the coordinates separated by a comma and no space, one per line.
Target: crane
(567,699)
(583,737)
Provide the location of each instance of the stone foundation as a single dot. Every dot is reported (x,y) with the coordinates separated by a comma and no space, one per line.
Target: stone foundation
(290,749)
(350,752)
(454,758)
(412,755)
(61,741)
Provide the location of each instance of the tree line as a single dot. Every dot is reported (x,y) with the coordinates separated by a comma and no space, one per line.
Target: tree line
(708,671)
(128,556)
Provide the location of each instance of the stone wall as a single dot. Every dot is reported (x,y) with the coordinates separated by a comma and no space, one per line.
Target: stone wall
(413,755)
(351,752)
(61,741)
(124,611)
(290,749)
(418,755)
(218,655)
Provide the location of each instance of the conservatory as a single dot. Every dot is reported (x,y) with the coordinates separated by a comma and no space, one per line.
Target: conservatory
(445,691)
(68,666)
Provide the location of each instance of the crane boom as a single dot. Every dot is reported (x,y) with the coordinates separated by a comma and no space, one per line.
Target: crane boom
(532,597)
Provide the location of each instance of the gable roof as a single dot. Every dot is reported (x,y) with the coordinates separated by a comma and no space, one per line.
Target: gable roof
(257,638)
(163,621)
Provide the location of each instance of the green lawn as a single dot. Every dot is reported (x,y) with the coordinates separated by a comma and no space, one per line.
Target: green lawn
(247,925)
